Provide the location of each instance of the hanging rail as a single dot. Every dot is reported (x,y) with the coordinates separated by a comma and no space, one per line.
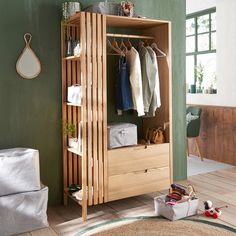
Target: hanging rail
(129,36)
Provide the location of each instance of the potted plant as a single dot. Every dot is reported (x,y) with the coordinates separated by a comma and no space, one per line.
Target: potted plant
(69,129)
(199,75)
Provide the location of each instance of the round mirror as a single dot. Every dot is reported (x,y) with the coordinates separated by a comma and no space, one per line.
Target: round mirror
(28,65)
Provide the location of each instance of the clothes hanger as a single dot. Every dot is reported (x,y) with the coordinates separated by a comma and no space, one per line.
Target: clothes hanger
(112,48)
(115,44)
(123,47)
(146,43)
(140,44)
(156,49)
(128,45)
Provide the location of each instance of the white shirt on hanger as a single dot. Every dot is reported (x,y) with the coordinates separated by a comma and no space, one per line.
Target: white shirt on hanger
(156,99)
(136,80)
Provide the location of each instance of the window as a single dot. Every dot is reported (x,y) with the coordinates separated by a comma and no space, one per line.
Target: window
(201,51)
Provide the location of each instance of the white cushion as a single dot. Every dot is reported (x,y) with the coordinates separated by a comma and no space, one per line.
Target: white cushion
(19,171)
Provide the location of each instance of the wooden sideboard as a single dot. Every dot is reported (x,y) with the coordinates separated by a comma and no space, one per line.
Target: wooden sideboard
(217,135)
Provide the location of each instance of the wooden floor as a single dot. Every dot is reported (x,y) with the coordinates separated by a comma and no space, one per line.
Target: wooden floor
(219,187)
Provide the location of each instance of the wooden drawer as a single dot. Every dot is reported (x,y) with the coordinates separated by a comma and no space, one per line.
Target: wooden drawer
(131,159)
(137,183)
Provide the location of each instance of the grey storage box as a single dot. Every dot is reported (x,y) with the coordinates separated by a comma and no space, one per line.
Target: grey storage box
(106,8)
(177,211)
(19,171)
(23,212)
(121,135)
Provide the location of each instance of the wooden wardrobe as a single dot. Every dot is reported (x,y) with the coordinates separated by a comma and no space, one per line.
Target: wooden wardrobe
(107,175)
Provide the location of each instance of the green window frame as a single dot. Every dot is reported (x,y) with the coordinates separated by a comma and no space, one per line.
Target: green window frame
(195,36)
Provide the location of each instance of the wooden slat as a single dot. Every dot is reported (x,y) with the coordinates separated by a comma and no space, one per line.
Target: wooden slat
(89,108)
(74,112)
(104,94)
(84,115)
(170,105)
(95,109)
(64,112)
(69,115)
(100,115)
(78,81)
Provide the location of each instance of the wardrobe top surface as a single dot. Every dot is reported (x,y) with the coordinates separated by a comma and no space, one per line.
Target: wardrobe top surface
(132,22)
(122,21)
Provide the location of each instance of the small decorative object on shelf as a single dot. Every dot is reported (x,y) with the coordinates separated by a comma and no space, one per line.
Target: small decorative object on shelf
(127,8)
(76,47)
(74,94)
(105,8)
(69,9)
(68,51)
(72,48)
(69,129)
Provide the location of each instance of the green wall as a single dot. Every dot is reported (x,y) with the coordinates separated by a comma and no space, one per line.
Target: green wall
(31,110)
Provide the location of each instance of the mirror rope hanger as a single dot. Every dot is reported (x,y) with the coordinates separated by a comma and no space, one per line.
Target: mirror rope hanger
(28,65)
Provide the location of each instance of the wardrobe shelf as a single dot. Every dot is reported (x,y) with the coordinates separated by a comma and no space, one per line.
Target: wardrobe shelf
(73,58)
(74,151)
(73,104)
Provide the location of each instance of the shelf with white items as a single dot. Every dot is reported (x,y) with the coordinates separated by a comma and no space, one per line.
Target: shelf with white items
(75,58)
(73,104)
(66,191)
(74,151)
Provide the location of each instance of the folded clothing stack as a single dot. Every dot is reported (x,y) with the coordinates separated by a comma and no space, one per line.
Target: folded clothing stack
(23,200)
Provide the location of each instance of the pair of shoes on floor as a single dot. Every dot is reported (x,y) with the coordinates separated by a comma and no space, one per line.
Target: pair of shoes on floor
(78,195)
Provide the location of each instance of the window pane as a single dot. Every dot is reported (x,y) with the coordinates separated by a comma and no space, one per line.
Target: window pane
(213,41)
(208,64)
(190,70)
(190,26)
(203,23)
(213,21)
(203,42)
(190,44)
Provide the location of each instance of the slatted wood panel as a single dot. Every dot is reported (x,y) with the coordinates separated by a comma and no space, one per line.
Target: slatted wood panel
(90,72)
(217,134)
